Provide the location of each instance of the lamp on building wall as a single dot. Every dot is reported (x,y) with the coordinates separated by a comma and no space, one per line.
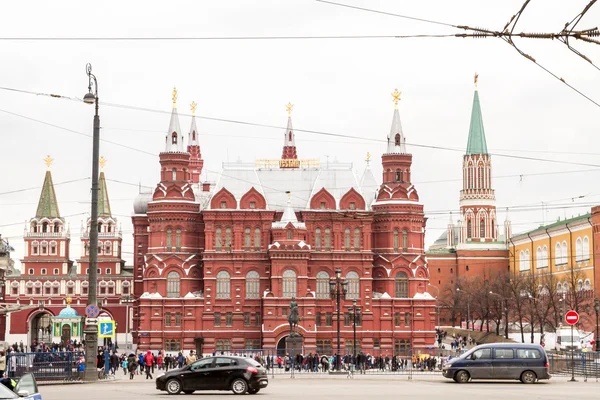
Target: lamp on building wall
(91,331)
(337,289)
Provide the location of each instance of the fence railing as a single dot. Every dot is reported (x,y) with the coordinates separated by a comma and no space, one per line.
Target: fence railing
(45,366)
(586,364)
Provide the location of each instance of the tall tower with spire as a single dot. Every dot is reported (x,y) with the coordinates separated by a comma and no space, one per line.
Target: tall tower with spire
(196,161)
(399,220)
(110,239)
(47,238)
(477,198)
(289,139)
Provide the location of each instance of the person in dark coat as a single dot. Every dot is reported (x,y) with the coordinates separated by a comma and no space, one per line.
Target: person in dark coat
(132,365)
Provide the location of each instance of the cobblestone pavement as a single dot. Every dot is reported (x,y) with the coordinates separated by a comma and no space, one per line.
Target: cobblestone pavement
(339,387)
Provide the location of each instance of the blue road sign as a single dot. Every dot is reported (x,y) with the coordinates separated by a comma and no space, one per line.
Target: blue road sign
(106,329)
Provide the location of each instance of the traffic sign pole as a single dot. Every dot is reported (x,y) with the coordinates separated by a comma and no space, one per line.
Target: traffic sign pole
(572,317)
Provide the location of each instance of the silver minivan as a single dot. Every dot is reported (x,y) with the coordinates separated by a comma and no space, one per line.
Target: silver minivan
(525,362)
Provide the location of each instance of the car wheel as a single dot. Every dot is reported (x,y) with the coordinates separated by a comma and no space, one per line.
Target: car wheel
(239,386)
(173,386)
(528,377)
(189,391)
(462,377)
(253,391)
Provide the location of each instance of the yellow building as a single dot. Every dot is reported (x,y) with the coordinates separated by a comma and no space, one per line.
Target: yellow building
(552,250)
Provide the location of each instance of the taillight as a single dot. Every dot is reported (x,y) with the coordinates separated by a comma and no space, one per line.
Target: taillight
(252,370)
(546,365)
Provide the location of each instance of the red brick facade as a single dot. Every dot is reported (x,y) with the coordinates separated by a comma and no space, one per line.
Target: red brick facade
(217,265)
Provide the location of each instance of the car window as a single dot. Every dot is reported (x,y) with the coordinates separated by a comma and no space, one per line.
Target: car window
(202,364)
(253,362)
(225,362)
(529,353)
(27,383)
(504,353)
(482,354)
(6,393)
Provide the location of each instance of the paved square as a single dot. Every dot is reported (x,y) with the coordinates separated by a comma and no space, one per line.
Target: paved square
(309,387)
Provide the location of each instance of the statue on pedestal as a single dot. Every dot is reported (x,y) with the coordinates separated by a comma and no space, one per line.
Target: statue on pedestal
(293,317)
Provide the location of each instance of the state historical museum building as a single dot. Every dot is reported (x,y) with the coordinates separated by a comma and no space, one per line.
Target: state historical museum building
(217,265)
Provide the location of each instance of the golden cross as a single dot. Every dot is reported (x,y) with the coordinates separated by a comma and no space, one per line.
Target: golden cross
(193,107)
(289,108)
(476,78)
(102,163)
(174,97)
(396,96)
(48,160)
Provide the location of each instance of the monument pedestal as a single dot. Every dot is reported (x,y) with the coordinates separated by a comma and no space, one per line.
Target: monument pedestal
(293,344)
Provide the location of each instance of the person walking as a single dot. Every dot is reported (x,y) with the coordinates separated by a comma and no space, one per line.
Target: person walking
(132,364)
(149,361)
(114,363)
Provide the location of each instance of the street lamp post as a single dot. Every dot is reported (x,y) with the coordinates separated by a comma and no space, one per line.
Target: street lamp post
(126,299)
(337,289)
(468,308)
(91,331)
(597,309)
(504,305)
(355,317)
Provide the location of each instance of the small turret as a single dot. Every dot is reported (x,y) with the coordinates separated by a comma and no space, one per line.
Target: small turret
(174,138)
(196,161)
(289,140)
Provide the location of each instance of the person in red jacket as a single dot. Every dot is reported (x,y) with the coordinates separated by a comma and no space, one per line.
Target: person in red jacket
(149,361)
(159,360)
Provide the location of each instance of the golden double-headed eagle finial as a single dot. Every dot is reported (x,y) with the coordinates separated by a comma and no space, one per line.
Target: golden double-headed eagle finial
(102,163)
(475,79)
(174,96)
(396,97)
(48,160)
(368,156)
(68,300)
(289,107)
(193,107)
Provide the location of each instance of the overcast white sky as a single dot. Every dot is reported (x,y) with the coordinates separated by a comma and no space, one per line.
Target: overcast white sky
(339,86)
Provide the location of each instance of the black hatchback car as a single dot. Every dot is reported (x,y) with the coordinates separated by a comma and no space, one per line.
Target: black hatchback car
(238,374)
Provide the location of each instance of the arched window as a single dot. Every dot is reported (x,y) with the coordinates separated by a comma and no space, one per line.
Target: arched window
(396,241)
(44,248)
(398,176)
(289,234)
(45,227)
(289,283)
(579,285)
(586,249)
(527,260)
(545,257)
(578,250)
(347,239)
(559,288)
(538,258)
(108,248)
(252,285)
(193,135)
(401,285)
(218,239)
(169,241)
(174,174)
(318,239)
(327,239)
(558,254)
(178,240)
(174,138)
(482,228)
(34,248)
(522,261)
(565,253)
(173,283)
(223,285)
(469,228)
(43,271)
(356,239)
(228,239)
(257,239)
(322,285)
(247,242)
(587,285)
(404,240)
(353,280)
(480,175)
(53,248)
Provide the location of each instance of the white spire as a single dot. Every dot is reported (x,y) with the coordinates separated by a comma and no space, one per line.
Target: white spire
(288,217)
(290,138)
(193,134)
(174,138)
(396,139)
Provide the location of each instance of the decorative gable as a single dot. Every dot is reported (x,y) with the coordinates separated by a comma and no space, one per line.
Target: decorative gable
(352,200)
(253,199)
(223,199)
(322,200)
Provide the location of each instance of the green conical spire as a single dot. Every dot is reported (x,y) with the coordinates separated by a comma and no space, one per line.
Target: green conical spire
(103,202)
(476,143)
(47,206)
